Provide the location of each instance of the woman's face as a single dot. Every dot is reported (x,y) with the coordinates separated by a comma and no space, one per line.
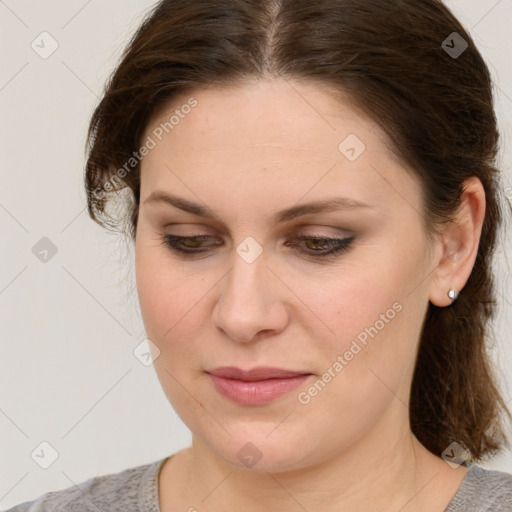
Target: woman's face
(253,294)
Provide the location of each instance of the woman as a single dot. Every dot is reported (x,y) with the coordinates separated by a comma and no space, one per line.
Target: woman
(314,207)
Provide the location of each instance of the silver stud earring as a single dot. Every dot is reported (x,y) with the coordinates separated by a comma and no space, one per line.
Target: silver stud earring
(452,294)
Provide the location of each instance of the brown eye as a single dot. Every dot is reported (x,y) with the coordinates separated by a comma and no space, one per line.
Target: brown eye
(186,244)
(316,246)
(324,247)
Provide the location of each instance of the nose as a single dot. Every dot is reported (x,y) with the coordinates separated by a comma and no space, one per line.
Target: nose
(251,301)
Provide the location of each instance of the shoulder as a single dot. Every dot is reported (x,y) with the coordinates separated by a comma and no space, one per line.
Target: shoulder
(133,489)
(483,490)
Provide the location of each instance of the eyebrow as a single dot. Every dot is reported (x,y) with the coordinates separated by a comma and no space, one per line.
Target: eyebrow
(328,205)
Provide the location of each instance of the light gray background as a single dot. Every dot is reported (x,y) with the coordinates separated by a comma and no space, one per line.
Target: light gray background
(68,375)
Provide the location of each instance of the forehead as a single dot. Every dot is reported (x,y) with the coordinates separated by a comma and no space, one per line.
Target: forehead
(257,112)
(270,137)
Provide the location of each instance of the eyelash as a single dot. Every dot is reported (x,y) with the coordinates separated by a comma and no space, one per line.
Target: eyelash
(341,245)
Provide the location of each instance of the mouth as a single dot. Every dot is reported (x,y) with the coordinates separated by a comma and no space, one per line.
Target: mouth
(257,386)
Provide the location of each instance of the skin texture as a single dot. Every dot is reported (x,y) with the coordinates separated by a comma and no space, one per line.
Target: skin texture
(246,152)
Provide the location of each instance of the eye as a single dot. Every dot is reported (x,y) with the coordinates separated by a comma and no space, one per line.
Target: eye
(191,243)
(319,246)
(329,247)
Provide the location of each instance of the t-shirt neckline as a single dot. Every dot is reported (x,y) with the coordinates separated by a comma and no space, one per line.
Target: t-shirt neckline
(150,486)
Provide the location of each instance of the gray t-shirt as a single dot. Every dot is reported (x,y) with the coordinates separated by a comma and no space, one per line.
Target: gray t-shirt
(136,490)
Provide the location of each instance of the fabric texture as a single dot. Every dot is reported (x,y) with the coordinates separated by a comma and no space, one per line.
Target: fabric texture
(136,490)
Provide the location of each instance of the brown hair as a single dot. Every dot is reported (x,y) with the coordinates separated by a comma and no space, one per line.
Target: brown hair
(436,107)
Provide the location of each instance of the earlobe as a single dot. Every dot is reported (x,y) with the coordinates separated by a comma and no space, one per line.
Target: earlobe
(452,294)
(460,240)
(445,284)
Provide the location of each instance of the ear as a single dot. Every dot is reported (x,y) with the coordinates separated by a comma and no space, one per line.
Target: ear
(460,242)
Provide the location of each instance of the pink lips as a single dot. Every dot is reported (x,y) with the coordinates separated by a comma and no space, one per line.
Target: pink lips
(257,386)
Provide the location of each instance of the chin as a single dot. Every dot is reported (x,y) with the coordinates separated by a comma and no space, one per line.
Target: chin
(255,450)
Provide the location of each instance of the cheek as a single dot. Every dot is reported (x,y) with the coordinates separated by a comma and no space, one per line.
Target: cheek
(166,296)
(170,308)
(347,305)
(170,312)
(367,364)
(154,297)
(374,322)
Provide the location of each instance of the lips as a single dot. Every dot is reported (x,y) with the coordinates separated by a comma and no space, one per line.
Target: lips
(255,374)
(257,386)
